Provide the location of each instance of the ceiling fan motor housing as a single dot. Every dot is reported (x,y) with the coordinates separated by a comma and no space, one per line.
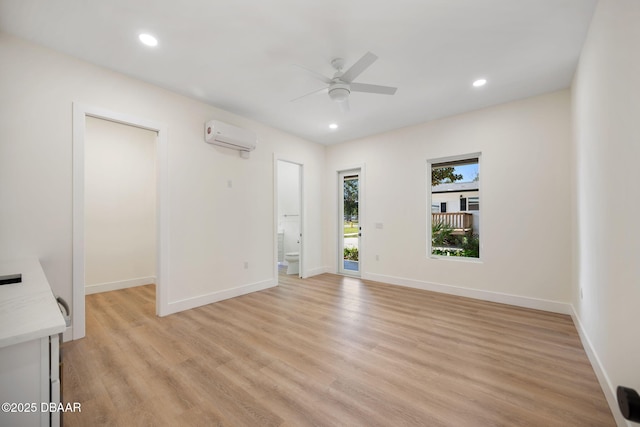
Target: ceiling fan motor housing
(339,91)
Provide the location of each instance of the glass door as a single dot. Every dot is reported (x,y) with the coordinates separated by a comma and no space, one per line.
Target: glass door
(350,230)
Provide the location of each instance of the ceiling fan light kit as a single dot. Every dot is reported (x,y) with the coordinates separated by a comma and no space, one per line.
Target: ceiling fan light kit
(341,85)
(339,92)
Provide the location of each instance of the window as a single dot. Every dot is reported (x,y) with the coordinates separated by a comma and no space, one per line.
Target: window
(474,203)
(455,188)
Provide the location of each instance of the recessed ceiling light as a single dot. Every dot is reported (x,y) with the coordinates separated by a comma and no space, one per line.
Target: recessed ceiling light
(148,39)
(480,83)
(333,126)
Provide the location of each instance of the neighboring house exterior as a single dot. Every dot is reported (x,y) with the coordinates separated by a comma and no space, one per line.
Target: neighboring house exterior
(457,198)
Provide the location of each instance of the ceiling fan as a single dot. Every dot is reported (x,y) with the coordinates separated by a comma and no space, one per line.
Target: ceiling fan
(342,84)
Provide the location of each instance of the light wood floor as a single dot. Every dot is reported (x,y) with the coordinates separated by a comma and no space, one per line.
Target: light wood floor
(329,350)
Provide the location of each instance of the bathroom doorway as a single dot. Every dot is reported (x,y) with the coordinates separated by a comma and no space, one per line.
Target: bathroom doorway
(289,218)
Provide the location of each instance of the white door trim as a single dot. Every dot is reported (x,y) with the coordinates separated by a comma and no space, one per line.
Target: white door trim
(80,112)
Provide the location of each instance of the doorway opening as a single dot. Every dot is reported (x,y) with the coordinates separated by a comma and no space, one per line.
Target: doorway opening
(349,217)
(84,239)
(120,206)
(289,218)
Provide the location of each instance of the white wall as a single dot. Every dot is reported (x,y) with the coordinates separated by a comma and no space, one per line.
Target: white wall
(452,199)
(120,205)
(525,202)
(606,115)
(213,229)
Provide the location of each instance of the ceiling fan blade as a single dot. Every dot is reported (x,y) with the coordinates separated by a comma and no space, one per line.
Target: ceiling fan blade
(344,106)
(364,87)
(316,75)
(324,89)
(357,68)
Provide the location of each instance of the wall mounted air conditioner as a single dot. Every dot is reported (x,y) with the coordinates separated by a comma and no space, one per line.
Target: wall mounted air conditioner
(226,135)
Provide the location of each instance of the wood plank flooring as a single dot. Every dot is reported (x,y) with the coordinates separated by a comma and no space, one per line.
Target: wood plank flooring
(329,350)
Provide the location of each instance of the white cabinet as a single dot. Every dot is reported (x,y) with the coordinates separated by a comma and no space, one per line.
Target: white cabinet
(27,380)
(30,322)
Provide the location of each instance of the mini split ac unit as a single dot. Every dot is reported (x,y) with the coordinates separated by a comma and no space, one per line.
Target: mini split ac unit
(225,135)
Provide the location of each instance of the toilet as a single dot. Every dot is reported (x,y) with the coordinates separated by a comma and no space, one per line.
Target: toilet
(293,262)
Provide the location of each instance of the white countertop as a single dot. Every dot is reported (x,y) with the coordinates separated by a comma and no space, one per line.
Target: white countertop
(28,310)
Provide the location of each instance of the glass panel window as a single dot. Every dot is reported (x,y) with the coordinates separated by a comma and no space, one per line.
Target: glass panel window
(474,203)
(455,189)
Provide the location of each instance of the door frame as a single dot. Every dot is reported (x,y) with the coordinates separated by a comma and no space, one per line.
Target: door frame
(360,170)
(301,270)
(80,112)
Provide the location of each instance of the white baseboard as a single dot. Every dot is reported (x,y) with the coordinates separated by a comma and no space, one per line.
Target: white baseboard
(316,271)
(520,301)
(114,286)
(186,304)
(605,384)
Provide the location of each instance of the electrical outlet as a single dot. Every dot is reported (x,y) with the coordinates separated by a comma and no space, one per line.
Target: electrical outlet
(377,257)
(229,183)
(246,265)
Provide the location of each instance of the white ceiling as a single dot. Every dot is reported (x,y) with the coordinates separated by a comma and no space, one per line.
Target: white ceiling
(239,55)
